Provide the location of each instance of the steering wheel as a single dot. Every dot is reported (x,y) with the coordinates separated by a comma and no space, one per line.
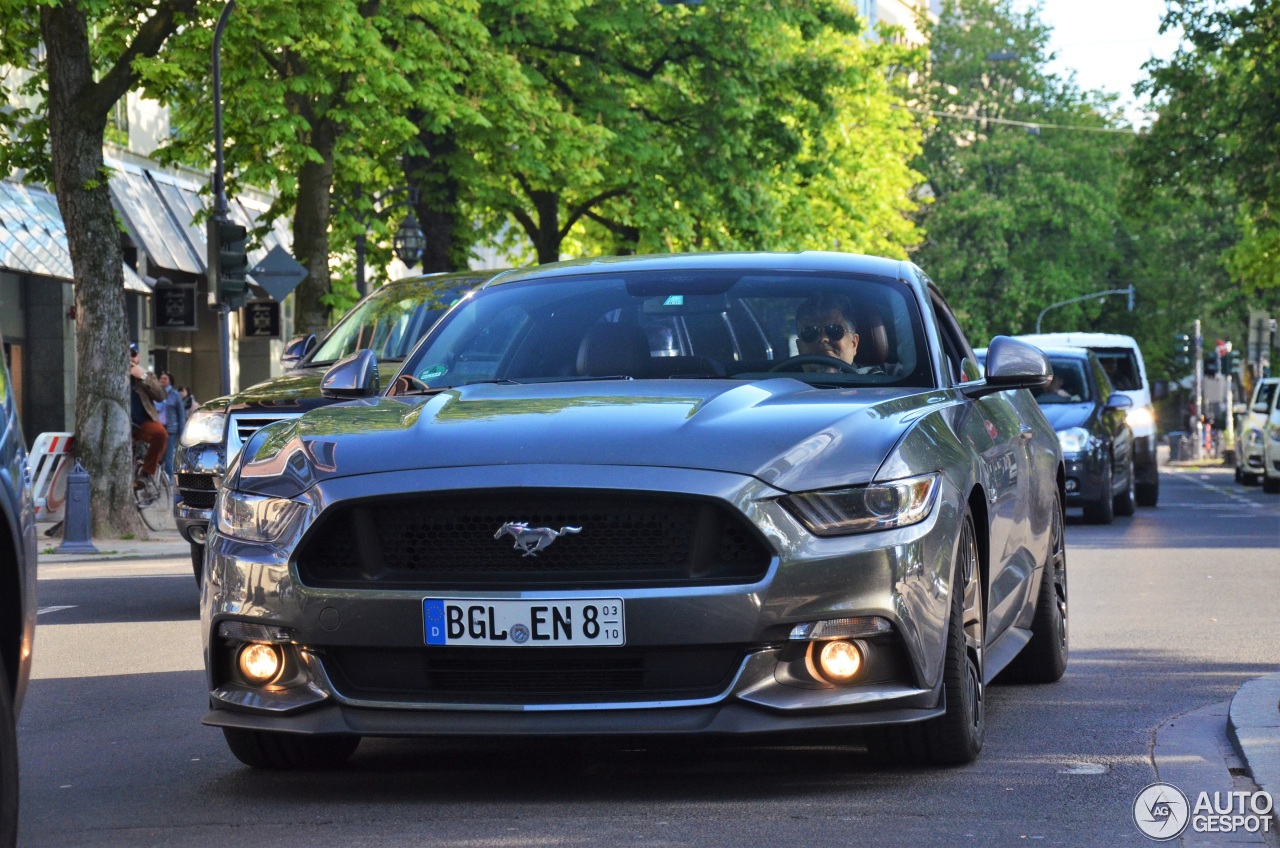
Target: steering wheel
(790,363)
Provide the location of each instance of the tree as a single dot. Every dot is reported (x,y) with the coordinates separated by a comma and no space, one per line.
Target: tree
(59,141)
(1024,173)
(1217,120)
(317,103)
(737,125)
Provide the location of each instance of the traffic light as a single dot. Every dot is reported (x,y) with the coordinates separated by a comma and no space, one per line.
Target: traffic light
(1182,349)
(1211,365)
(233,265)
(1230,361)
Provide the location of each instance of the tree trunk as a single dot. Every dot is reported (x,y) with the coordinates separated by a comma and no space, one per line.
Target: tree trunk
(76,130)
(546,240)
(448,232)
(311,231)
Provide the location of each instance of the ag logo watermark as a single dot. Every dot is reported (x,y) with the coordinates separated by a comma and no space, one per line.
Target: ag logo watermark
(1162,812)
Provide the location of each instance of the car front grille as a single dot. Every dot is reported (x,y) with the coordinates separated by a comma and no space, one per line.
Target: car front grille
(198,490)
(247,425)
(447,541)
(532,675)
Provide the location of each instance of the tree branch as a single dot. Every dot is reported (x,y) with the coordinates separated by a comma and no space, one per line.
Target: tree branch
(151,36)
(586,205)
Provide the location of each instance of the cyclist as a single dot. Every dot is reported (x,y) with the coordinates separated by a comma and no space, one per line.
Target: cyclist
(144,391)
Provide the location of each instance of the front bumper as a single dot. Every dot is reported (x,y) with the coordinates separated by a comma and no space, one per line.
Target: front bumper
(1085,478)
(902,576)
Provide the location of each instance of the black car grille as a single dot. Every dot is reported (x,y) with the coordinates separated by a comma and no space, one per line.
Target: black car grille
(531,675)
(247,425)
(448,541)
(198,490)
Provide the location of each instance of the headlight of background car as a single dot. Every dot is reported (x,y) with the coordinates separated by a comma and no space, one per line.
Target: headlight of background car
(255,518)
(1140,416)
(1255,437)
(879,506)
(205,426)
(1073,439)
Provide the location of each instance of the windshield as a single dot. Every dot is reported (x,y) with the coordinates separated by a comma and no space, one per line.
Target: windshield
(1069,383)
(392,320)
(1264,394)
(855,330)
(1121,367)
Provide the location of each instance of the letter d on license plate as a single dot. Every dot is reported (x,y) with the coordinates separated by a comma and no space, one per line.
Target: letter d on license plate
(547,622)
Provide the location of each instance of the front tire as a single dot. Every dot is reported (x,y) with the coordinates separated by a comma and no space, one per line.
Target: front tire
(955,737)
(1044,659)
(267,750)
(1103,511)
(8,765)
(197,563)
(1271,485)
(1125,502)
(1147,492)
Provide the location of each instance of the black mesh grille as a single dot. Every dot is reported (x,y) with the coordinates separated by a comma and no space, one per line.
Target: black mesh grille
(531,675)
(448,541)
(198,490)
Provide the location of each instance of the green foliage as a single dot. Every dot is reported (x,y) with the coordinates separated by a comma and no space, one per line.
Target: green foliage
(1023,216)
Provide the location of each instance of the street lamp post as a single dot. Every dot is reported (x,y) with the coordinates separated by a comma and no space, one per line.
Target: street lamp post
(1129,290)
(409,242)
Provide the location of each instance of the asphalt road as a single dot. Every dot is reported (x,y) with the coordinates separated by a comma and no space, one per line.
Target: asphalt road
(1171,611)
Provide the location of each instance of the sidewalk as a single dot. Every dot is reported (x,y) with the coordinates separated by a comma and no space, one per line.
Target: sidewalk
(165,544)
(1253,725)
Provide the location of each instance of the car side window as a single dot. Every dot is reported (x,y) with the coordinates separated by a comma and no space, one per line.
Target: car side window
(961,362)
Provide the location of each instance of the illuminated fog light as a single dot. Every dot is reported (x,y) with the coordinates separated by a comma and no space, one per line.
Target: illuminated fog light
(259,663)
(840,661)
(1073,485)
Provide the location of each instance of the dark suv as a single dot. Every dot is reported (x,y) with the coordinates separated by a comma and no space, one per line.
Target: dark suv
(17,598)
(389,321)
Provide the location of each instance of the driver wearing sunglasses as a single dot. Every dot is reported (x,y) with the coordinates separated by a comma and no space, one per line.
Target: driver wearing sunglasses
(824,327)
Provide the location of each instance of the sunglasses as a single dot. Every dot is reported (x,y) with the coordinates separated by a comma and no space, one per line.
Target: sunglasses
(811,334)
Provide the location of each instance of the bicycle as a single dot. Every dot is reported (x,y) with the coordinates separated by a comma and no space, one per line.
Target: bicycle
(154,498)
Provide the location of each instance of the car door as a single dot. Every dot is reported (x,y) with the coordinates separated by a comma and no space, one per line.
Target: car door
(1114,421)
(1007,464)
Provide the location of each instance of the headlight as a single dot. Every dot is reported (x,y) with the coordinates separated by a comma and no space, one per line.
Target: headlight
(879,506)
(255,518)
(1073,439)
(1140,416)
(205,426)
(1255,437)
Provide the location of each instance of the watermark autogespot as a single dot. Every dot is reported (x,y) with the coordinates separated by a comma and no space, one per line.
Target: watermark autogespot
(1162,812)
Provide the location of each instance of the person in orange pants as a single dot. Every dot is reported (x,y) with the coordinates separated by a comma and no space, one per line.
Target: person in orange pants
(144,391)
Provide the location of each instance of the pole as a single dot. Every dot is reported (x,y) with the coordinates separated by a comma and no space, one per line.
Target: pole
(1197,344)
(360,250)
(220,199)
(1129,291)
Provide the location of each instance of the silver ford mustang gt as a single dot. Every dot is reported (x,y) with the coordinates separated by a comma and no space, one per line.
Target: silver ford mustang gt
(699,494)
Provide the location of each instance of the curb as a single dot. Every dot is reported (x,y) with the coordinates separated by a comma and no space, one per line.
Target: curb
(1253,726)
(108,552)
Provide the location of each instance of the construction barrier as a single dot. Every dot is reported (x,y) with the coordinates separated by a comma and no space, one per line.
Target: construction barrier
(50,460)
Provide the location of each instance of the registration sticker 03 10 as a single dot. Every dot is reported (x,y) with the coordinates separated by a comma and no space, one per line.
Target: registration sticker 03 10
(522,623)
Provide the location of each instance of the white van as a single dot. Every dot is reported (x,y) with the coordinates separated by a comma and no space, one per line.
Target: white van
(1252,433)
(1123,360)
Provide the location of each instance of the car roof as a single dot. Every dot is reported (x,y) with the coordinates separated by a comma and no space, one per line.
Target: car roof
(1066,351)
(809,260)
(1090,340)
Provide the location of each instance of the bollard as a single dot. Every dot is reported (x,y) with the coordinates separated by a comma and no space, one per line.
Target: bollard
(77,525)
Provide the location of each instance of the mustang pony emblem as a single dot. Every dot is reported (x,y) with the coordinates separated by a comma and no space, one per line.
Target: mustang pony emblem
(532,539)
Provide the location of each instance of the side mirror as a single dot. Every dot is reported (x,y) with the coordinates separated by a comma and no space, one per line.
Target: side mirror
(1118,401)
(1011,364)
(1159,389)
(356,376)
(297,349)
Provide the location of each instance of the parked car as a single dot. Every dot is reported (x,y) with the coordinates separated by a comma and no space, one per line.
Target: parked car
(389,321)
(1271,447)
(1122,359)
(551,524)
(1097,443)
(17,599)
(1251,467)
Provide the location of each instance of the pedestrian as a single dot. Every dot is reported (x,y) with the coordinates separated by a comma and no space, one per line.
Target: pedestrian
(189,402)
(174,416)
(144,391)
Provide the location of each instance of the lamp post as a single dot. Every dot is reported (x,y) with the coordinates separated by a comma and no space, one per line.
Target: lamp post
(1129,290)
(409,242)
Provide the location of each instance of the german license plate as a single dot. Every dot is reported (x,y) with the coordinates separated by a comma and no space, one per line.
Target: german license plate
(547,622)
